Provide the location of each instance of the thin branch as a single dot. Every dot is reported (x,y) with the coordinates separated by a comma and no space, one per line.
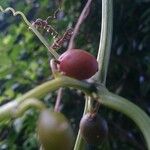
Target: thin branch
(26,104)
(54,68)
(82,17)
(80,144)
(58,100)
(105,41)
(63,81)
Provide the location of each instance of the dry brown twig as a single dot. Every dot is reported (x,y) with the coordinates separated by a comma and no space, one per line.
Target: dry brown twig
(81,19)
(58,100)
(58,43)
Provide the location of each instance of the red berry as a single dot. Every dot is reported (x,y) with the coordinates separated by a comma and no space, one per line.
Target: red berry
(93,128)
(78,64)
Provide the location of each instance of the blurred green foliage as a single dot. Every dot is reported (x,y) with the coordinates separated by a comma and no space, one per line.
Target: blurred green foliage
(24,64)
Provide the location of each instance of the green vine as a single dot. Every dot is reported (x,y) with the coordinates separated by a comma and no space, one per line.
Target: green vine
(23,106)
(39,91)
(35,31)
(105,97)
(105,41)
(102,57)
(118,103)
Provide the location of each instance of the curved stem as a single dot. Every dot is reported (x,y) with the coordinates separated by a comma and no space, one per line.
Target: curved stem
(131,110)
(58,100)
(106,98)
(16,108)
(26,104)
(105,40)
(41,90)
(80,144)
(15,13)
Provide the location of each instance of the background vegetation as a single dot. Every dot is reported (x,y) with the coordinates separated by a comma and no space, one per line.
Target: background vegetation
(24,63)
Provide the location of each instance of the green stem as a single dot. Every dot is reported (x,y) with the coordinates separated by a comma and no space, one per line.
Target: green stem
(41,90)
(15,13)
(106,98)
(131,110)
(16,108)
(26,104)
(103,54)
(80,144)
(105,40)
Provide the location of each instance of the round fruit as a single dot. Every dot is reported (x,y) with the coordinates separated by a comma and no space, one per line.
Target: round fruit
(78,64)
(54,131)
(93,128)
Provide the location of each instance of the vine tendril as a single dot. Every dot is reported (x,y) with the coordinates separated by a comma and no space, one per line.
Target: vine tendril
(41,38)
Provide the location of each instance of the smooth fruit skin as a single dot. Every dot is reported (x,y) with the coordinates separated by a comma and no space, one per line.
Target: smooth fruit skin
(93,128)
(54,131)
(78,64)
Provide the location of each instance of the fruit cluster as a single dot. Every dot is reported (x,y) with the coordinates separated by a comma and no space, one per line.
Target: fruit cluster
(54,130)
